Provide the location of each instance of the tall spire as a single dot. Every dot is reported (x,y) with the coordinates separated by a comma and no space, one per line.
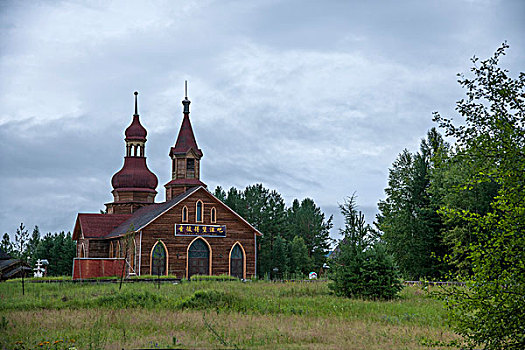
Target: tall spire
(135,132)
(186,138)
(185,156)
(136,104)
(186,102)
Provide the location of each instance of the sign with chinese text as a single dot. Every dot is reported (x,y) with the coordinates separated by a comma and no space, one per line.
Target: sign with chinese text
(200,230)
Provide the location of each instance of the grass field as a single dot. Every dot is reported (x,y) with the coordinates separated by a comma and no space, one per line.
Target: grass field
(213,314)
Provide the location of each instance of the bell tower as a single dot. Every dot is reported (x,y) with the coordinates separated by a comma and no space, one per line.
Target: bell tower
(185,157)
(133,185)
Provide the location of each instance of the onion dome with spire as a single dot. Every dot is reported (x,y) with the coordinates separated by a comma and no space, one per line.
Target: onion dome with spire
(134,185)
(136,132)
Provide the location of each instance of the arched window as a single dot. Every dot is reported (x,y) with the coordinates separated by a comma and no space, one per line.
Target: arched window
(198,211)
(111,250)
(185,214)
(117,253)
(159,259)
(237,261)
(213,215)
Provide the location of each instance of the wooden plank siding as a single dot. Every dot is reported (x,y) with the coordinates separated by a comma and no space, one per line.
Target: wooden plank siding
(163,228)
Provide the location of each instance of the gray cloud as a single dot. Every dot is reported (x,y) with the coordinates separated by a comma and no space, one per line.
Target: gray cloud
(313,99)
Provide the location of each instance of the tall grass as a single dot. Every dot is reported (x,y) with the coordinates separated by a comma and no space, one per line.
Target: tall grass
(253,314)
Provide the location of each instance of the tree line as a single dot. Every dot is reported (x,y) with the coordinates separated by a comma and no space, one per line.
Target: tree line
(295,240)
(58,249)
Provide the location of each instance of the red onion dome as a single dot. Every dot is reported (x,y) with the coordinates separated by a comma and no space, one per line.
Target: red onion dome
(135,132)
(134,174)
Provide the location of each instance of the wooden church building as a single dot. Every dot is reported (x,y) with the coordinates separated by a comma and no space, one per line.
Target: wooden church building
(191,233)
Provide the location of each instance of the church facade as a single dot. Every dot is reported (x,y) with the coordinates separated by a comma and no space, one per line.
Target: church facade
(191,233)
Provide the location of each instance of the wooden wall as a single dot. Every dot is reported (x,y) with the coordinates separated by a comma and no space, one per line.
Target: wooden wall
(163,228)
(94,248)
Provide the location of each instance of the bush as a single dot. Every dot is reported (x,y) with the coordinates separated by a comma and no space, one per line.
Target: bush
(367,273)
(209,298)
(360,265)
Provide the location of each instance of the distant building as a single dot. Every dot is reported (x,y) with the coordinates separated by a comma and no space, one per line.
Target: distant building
(191,233)
(12,268)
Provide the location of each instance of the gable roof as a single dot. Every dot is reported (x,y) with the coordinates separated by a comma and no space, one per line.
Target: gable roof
(97,225)
(146,215)
(105,226)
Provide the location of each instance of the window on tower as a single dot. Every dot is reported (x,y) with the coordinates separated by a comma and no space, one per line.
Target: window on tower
(190,168)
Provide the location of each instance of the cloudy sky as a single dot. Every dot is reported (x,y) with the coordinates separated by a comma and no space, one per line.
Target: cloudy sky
(311,98)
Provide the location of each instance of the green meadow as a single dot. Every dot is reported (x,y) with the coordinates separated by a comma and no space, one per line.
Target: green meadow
(215,314)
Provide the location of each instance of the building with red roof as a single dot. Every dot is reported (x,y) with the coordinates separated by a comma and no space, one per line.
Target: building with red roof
(190,233)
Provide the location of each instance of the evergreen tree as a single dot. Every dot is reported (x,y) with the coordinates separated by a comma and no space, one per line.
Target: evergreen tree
(360,266)
(451,174)
(21,239)
(234,200)
(32,245)
(306,220)
(220,193)
(299,260)
(408,216)
(356,229)
(43,251)
(265,210)
(6,244)
(60,250)
(280,256)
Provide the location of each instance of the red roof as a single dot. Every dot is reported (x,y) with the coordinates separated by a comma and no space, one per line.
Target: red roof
(135,132)
(134,174)
(187,182)
(186,139)
(105,226)
(97,225)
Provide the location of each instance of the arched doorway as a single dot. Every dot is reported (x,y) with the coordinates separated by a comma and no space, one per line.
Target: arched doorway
(198,258)
(159,258)
(237,262)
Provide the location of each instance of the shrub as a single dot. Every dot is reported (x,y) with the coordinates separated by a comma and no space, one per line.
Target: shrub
(360,266)
(209,298)
(367,273)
